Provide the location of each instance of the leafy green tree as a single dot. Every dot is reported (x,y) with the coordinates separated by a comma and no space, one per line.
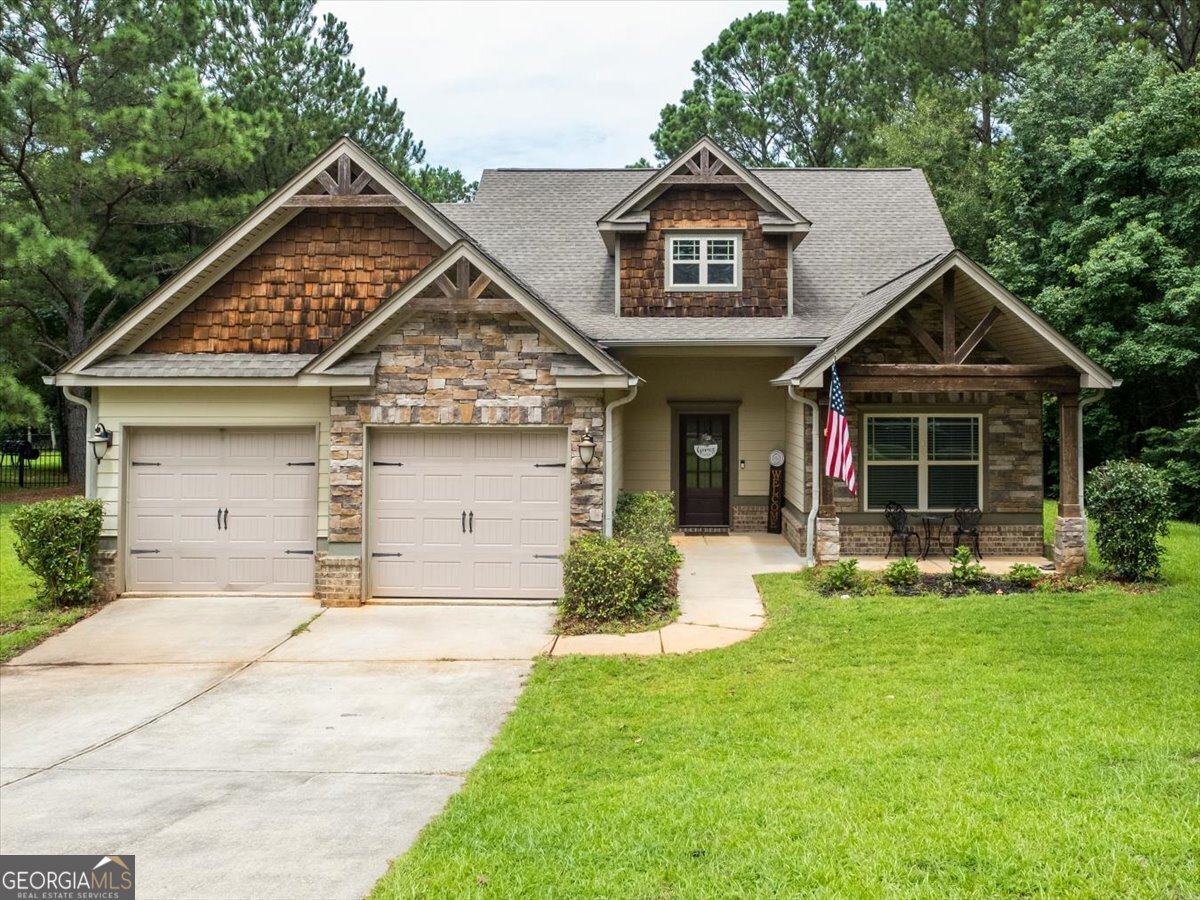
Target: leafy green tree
(291,72)
(18,404)
(782,89)
(1170,26)
(103,135)
(1101,219)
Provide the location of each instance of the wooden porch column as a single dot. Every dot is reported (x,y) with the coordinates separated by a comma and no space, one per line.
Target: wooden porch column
(826,509)
(1070,502)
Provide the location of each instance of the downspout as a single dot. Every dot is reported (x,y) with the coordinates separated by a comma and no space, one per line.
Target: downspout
(810,534)
(610,493)
(89,462)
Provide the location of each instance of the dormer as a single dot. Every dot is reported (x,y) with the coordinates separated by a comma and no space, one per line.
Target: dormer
(702,236)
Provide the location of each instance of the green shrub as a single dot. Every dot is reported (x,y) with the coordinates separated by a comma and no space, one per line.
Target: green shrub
(843,577)
(56,540)
(645,516)
(616,579)
(1024,575)
(1130,504)
(963,568)
(903,572)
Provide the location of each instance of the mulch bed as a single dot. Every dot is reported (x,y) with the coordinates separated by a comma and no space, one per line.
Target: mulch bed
(36,495)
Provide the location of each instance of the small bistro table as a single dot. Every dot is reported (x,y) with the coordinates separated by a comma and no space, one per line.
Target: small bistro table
(929,519)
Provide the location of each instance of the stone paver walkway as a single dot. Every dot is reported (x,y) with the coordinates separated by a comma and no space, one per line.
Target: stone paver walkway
(718,600)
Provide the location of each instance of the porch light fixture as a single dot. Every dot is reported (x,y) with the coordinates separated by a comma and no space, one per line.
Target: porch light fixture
(587,449)
(100,441)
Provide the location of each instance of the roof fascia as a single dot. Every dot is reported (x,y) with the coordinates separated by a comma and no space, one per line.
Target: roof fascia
(751,183)
(374,324)
(71,379)
(441,231)
(1092,375)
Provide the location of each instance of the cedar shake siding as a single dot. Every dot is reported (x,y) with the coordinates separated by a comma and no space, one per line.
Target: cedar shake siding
(317,277)
(643,258)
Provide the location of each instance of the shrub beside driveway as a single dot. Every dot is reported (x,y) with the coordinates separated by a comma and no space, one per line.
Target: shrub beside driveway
(1041,744)
(24,619)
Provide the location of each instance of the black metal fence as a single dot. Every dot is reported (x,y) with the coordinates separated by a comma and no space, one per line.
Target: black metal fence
(32,459)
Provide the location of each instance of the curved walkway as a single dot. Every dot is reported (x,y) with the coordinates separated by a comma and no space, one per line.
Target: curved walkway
(718,600)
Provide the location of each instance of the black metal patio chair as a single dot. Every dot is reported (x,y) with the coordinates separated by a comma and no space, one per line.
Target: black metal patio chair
(897,518)
(968,518)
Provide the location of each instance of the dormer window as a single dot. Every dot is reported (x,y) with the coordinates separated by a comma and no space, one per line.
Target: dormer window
(704,262)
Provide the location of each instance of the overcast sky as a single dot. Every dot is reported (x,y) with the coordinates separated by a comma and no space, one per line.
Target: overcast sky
(489,84)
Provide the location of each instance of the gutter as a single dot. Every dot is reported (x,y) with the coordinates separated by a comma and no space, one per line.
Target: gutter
(90,464)
(610,491)
(1085,402)
(810,535)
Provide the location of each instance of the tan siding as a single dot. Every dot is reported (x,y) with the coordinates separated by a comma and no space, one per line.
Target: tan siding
(121,407)
(647,420)
(798,443)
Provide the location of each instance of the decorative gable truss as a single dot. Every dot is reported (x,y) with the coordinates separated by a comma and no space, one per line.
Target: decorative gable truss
(466,279)
(704,164)
(343,177)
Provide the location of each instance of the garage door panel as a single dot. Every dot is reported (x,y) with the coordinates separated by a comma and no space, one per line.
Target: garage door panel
(187,476)
(520,510)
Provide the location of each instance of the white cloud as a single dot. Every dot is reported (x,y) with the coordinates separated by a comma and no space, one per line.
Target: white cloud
(489,84)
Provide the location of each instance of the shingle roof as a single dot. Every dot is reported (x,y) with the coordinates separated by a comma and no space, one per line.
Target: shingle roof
(869,305)
(869,226)
(200,365)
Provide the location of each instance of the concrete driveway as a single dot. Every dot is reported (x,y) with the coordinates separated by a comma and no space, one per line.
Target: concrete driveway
(237,759)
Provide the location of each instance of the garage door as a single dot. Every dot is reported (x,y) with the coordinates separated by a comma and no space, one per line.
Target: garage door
(468,513)
(222,510)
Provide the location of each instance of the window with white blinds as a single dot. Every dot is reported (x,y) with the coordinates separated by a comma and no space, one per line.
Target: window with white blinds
(923,461)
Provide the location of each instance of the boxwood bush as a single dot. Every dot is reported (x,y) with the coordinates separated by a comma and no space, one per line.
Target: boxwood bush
(56,540)
(1130,504)
(630,576)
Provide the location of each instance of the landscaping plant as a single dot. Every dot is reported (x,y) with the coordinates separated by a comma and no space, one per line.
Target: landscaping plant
(1024,575)
(1129,503)
(56,540)
(903,572)
(645,516)
(964,569)
(843,577)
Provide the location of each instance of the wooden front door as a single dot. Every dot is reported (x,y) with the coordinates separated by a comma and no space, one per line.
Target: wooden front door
(703,470)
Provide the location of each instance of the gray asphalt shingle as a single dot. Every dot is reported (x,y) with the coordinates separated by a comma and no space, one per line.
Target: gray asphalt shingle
(869,226)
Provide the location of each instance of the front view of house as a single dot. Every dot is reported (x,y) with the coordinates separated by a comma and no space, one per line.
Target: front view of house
(356,394)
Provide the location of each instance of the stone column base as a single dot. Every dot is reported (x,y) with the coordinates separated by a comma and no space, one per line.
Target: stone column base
(829,540)
(338,580)
(1070,545)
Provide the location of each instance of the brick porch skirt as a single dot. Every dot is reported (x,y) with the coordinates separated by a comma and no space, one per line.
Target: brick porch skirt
(994,540)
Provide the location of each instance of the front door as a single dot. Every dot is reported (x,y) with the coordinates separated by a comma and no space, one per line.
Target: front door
(703,470)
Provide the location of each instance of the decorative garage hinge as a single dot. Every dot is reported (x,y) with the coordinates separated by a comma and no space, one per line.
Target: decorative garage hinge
(140,552)
(139,463)
(547,556)
(302,464)
(376,555)
(302,552)
(549,465)
(378,463)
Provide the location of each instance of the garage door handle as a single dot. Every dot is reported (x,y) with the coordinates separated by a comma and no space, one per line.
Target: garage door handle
(377,555)
(141,552)
(227,518)
(471,522)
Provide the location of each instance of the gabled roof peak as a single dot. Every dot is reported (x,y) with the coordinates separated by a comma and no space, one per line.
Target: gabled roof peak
(703,164)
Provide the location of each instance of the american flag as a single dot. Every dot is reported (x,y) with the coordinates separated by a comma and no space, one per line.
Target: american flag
(839,456)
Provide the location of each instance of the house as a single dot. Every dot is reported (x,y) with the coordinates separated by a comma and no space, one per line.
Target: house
(355,393)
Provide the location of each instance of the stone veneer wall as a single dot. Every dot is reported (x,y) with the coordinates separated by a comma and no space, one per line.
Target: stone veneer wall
(104,568)
(454,363)
(643,258)
(338,580)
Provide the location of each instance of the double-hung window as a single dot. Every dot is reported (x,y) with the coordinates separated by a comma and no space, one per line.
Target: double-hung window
(925,461)
(709,262)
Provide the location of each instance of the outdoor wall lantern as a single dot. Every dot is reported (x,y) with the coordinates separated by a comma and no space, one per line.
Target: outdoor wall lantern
(587,449)
(100,440)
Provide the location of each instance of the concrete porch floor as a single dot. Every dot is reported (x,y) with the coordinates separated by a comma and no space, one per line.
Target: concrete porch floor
(940,565)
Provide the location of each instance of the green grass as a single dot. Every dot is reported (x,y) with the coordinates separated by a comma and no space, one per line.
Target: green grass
(1032,746)
(25,620)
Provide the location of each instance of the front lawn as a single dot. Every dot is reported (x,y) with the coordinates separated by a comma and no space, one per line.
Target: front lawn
(1036,745)
(24,620)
